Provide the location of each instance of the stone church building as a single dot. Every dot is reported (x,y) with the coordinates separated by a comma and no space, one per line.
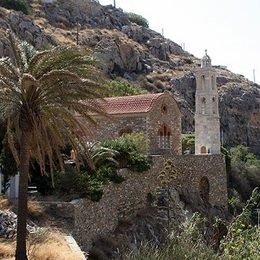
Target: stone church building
(156,115)
(159,118)
(200,177)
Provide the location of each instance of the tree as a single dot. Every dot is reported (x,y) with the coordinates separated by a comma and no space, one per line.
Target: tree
(18,5)
(138,19)
(41,97)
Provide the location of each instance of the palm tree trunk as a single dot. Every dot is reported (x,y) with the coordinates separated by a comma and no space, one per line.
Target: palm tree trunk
(22,200)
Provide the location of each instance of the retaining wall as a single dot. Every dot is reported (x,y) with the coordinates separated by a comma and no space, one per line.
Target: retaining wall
(93,219)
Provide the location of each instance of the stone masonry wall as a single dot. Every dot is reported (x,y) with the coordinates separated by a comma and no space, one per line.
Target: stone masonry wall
(109,129)
(172,119)
(93,219)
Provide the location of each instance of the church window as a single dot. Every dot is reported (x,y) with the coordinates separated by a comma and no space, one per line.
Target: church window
(164,137)
(214,104)
(203,82)
(164,109)
(212,82)
(203,105)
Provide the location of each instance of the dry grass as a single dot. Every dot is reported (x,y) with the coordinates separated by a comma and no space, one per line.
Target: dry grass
(43,245)
(6,249)
(35,210)
(50,246)
(4,203)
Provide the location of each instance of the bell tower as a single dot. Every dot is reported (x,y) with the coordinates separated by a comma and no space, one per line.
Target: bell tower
(207,126)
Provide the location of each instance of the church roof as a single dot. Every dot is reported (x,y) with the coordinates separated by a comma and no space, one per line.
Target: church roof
(130,104)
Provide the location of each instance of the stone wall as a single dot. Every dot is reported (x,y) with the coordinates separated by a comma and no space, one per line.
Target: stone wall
(110,129)
(93,219)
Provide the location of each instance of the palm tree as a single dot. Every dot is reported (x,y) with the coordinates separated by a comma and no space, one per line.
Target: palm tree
(41,97)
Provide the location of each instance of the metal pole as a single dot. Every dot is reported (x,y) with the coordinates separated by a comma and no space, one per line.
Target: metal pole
(78,25)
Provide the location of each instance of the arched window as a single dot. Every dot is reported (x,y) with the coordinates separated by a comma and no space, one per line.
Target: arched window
(204,188)
(203,105)
(212,82)
(203,82)
(125,131)
(214,105)
(164,109)
(203,149)
(164,137)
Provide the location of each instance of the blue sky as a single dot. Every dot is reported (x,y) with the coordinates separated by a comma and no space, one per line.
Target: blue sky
(228,29)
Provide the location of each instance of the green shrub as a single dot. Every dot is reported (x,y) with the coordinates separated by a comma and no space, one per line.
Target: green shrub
(188,143)
(109,174)
(242,240)
(245,171)
(187,243)
(138,19)
(123,88)
(17,5)
(130,151)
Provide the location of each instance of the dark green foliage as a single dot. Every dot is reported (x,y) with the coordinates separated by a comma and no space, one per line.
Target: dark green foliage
(138,19)
(74,184)
(227,158)
(17,5)
(243,177)
(130,154)
(8,165)
(188,143)
(109,174)
(123,88)
(242,240)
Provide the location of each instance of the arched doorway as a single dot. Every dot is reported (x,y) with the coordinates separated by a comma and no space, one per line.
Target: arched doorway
(204,188)
(203,149)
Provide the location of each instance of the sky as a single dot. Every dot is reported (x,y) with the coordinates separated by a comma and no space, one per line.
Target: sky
(228,29)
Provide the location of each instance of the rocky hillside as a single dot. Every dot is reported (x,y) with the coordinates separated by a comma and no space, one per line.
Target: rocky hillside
(140,55)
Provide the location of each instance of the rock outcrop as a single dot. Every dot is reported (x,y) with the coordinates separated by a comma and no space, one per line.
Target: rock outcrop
(8,225)
(139,55)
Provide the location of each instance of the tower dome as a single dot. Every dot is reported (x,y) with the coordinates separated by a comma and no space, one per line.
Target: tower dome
(206,61)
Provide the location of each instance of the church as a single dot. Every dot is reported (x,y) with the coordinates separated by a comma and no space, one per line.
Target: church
(159,118)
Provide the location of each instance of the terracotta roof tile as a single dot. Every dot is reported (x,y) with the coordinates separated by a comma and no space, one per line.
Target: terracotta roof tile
(130,104)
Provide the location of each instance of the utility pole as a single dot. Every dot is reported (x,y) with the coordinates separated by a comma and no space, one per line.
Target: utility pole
(115,3)
(78,25)
(254,75)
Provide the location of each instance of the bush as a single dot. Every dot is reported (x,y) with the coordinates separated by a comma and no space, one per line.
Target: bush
(245,171)
(123,88)
(188,143)
(138,19)
(131,150)
(17,5)
(185,244)
(242,240)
